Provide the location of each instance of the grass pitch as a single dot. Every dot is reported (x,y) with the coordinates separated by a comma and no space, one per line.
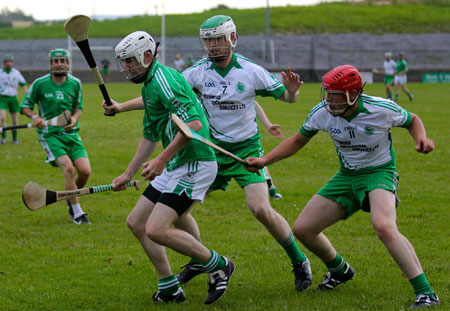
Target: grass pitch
(48,263)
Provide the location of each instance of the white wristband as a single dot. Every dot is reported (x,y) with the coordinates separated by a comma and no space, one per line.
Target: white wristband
(34,116)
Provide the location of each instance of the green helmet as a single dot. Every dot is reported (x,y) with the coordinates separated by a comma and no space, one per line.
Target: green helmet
(217,26)
(57,67)
(7,57)
(58,53)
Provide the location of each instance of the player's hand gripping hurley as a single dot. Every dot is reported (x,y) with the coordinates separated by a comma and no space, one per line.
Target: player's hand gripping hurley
(62,120)
(187,132)
(77,28)
(35,197)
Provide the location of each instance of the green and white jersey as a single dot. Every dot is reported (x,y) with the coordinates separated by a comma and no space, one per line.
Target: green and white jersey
(362,140)
(401,65)
(389,67)
(52,99)
(165,92)
(9,82)
(228,96)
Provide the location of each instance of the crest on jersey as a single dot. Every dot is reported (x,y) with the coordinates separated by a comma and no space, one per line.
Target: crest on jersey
(240,87)
(369,130)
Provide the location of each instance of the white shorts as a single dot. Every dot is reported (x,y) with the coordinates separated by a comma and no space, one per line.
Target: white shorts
(192,178)
(400,80)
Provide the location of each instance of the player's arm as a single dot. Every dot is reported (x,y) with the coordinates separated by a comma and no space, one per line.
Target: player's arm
(144,151)
(285,149)
(274,129)
(155,167)
(133,104)
(292,82)
(37,121)
(417,131)
(25,88)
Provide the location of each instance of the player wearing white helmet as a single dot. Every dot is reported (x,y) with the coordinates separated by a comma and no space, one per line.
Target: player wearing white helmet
(227,84)
(360,127)
(10,79)
(54,93)
(180,175)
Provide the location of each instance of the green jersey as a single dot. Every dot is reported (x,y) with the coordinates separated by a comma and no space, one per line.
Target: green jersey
(52,99)
(165,92)
(401,65)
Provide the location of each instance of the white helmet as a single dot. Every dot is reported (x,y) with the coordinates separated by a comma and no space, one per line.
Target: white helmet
(133,47)
(216,27)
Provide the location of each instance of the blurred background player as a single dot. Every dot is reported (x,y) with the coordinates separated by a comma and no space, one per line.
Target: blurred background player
(360,127)
(105,69)
(389,73)
(400,77)
(10,79)
(180,175)
(227,84)
(274,130)
(54,93)
(178,63)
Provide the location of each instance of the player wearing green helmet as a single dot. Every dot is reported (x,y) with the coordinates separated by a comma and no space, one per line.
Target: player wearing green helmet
(227,84)
(54,93)
(59,62)
(10,79)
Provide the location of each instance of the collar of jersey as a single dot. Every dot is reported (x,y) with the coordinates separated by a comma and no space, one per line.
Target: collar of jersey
(152,71)
(360,109)
(223,72)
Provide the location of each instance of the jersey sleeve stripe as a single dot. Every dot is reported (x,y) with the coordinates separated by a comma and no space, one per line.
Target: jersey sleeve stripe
(164,84)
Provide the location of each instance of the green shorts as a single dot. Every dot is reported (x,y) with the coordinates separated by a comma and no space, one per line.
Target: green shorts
(351,192)
(9,103)
(57,145)
(388,79)
(229,168)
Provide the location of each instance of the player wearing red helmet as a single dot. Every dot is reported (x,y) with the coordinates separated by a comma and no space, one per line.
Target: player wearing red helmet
(360,127)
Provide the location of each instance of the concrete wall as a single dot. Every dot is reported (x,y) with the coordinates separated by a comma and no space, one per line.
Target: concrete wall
(311,55)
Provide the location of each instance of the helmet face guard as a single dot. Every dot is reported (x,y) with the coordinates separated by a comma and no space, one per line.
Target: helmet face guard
(59,62)
(216,48)
(337,85)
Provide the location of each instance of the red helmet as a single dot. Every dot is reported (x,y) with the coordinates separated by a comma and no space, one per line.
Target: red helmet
(343,78)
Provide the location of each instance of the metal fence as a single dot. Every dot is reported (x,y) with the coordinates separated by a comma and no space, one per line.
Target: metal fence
(304,53)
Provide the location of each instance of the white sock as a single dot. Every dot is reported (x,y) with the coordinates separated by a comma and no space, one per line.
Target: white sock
(77,211)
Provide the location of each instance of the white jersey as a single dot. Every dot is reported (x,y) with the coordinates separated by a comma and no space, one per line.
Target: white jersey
(362,140)
(389,67)
(9,82)
(228,96)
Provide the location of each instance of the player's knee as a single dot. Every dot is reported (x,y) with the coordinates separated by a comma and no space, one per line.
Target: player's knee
(134,225)
(385,232)
(69,172)
(300,230)
(156,234)
(261,212)
(84,173)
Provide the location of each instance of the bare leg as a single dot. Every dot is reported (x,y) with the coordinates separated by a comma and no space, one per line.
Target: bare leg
(383,215)
(136,222)
(159,230)
(259,205)
(319,214)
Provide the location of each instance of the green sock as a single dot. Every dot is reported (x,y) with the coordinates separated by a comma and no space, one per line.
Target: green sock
(337,265)
(168,285)
(389,96)
(214,263)
(421,285)
(3,135)
(292,249)
(14,134)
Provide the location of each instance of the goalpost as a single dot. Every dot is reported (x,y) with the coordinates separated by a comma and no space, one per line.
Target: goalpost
(73,48)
